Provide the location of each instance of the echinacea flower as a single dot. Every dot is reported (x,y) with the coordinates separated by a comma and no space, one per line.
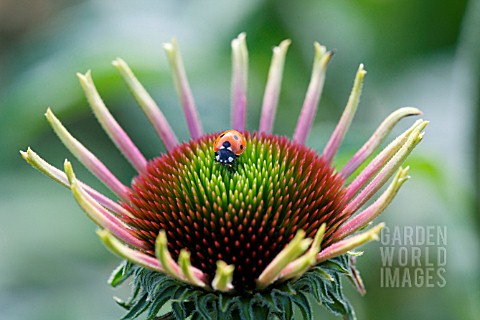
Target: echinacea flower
(247,242)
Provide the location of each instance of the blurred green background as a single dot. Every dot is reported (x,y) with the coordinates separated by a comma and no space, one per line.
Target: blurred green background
(417,53)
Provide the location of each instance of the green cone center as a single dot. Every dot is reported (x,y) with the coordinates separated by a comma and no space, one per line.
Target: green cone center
(243,215)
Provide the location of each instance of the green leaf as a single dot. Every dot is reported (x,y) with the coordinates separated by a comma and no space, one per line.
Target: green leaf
(244,309)
(267,302)
(121,273)
(202,305)
(316,288)
(182,310)
(196,316)
(340,264)
(152,290)
(122,303)
(225,304)
(159,301)
(302,302)
(259,312)
(288,309)
(138,308)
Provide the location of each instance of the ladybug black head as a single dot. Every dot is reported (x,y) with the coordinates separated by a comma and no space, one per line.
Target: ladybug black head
(225,156)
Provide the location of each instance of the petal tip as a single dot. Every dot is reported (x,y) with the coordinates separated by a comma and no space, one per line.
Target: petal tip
(25,154)
(285,43)
(242,36)
(361,70)
(169,47)
(118,63)
(103,234)
(49,114)
(413,111)
(67,165)
(375,231)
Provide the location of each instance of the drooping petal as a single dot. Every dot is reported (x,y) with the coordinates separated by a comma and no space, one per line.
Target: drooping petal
(134,256)
(223,277)
(379,161)
(147,104)
(343,246)
(387,171)
(99,214)
(87,158)
(299,266)
(59,176)
(272,90)
(239,82)
(309,109)
(337,137)
(110,125)
(162,254)
(370,213)
(183,89)
(376,139)
(187,269)
(293,250)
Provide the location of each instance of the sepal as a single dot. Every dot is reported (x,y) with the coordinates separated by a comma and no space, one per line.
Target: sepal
(152,290)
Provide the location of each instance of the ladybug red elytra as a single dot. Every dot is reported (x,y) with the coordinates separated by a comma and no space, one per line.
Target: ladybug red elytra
(229,145)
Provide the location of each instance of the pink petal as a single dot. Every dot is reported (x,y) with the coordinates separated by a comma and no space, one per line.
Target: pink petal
(183,89)
(272,91)
(110,125)
(337,137)
(309,109)
(87,158)
(239,82)
(148,105)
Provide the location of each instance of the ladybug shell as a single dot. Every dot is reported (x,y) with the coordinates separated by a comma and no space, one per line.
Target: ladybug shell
(228,146)
(230,139)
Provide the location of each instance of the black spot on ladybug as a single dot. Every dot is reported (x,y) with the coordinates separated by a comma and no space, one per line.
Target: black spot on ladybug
(222,135)
(241,146)
(226,144)
(235,137)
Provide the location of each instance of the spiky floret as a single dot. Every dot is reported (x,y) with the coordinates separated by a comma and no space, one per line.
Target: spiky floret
(244,216)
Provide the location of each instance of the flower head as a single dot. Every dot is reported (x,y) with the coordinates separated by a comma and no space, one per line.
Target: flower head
(247,240)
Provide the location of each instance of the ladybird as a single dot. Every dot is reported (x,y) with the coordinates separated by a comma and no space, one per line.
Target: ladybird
(228,146)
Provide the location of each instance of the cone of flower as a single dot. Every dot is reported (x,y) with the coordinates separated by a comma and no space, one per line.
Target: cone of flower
(243,241)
